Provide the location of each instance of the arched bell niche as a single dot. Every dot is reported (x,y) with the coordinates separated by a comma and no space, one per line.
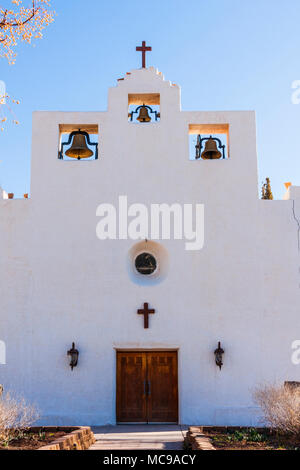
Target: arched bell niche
(147,263)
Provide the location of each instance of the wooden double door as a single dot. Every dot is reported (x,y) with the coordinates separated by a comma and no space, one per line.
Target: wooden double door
(147,387)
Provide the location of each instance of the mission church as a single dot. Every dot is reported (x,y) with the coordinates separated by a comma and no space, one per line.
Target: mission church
(122,330)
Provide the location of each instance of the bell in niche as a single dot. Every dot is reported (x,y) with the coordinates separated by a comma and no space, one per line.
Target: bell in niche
(211,152)
(79,148)
(143,115)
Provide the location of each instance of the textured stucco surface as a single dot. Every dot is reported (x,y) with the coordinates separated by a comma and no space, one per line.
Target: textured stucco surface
(59,283)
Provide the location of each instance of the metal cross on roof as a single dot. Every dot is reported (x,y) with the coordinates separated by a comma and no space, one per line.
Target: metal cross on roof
(143,49)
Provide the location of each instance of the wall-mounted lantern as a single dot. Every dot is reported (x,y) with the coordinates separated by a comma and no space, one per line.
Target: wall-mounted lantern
(74,353)
(210,152)
(219,355)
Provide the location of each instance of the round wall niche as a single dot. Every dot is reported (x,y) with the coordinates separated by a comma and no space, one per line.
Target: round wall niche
(147,263)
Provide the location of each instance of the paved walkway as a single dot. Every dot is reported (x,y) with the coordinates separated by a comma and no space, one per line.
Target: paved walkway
(139,437)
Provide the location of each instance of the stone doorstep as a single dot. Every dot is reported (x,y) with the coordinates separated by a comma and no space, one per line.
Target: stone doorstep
(81,438)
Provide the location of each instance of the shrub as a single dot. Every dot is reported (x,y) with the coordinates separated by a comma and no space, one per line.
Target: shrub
(249,435)
(280,406)
(15,415)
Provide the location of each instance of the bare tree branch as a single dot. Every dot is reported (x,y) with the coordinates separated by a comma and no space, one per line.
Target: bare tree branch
(4,22)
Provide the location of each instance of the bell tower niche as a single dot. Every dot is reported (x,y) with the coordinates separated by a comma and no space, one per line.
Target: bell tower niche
(78,142)
(144,107)
(143,97)
(209,141)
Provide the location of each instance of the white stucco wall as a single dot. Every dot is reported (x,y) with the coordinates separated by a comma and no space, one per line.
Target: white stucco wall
(59,283)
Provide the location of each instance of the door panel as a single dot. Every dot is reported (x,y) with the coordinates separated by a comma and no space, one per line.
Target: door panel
(131,397)
(147,386)
(162,380)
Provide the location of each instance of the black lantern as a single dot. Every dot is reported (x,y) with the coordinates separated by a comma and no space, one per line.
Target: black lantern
(218,355)
(74,353)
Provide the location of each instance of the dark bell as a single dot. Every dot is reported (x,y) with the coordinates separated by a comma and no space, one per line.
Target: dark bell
(79,148)
(211,152)
(143,115)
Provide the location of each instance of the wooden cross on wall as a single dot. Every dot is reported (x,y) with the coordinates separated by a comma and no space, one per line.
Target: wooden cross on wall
(143,49)
(146,311)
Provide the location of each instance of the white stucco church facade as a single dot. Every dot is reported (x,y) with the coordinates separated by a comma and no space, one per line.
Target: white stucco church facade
(61,284)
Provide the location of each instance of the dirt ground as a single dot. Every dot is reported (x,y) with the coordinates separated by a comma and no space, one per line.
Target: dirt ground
(30,441)
(252,440)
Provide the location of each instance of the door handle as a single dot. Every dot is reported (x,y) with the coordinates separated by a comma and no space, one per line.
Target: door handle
(145,391)
(149,388)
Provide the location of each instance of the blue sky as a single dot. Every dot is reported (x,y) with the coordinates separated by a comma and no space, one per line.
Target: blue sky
(225,54)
